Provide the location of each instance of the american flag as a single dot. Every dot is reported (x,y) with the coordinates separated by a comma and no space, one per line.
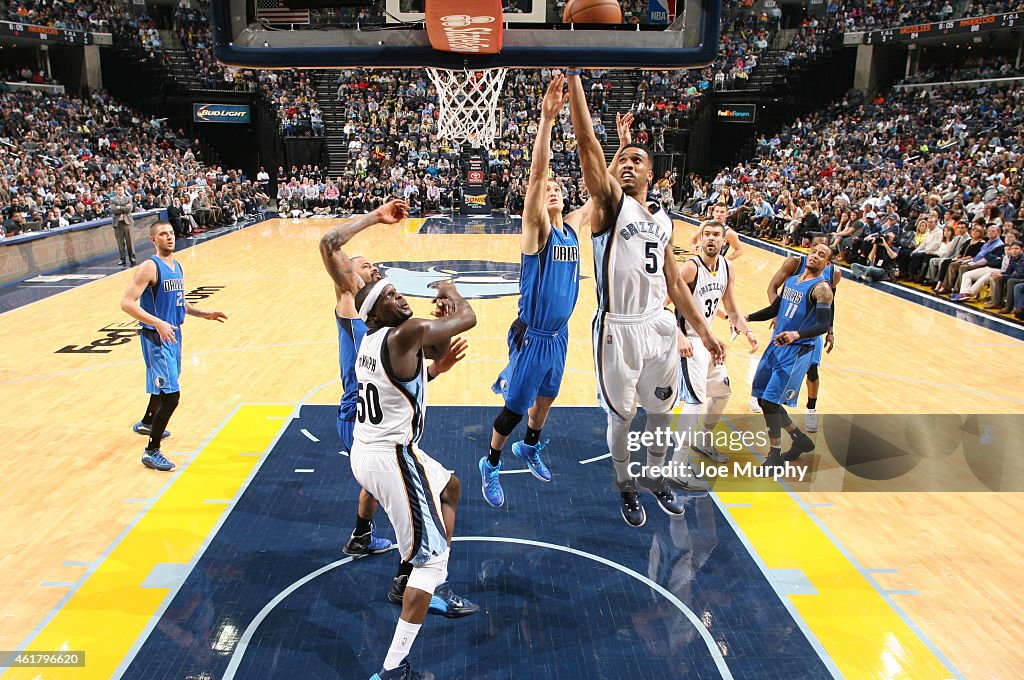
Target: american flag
(277,12)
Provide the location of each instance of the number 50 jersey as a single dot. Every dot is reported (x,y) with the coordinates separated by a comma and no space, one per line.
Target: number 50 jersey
(390,410)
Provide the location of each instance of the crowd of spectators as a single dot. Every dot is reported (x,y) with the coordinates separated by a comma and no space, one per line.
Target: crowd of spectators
(981,67)
(881,178)
(76,16)
(62,157)
(23,75)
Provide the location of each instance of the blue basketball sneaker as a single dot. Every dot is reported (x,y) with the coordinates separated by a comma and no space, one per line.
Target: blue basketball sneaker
(152,458)
(145,430)
(490,483)
(531,456)
(403,672)
(446,603)
(366,544)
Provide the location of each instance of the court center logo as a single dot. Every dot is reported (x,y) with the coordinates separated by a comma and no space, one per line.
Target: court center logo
(476,279)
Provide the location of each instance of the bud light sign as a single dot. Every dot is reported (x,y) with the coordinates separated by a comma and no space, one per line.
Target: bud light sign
(221,113)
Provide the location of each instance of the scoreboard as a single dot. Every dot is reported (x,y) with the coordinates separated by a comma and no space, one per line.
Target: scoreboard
(941,29)
(45,34)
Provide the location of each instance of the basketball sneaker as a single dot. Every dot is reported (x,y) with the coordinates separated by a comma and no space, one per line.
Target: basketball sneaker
(811,420)
(531,456)
(773,460)
(152,458)
(666,499)
(397,589)
(366,544)
(630,506)
(801,445)
(145,430)
(754,406)
(688,478)
(490,483)
(403,672)
(710,452)
(449,605)
(444,602)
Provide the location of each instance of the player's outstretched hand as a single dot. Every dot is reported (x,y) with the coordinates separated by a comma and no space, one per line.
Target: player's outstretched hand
(456,353)
(555,98)
(752,339)
(624,124)
(215,316)
(830,339)
(392,212)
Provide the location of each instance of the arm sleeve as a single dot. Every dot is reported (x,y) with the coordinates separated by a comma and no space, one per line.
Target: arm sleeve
(832,318)
(769,312)
(820,324)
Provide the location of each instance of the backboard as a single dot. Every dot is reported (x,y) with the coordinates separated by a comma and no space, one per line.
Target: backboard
(661,34)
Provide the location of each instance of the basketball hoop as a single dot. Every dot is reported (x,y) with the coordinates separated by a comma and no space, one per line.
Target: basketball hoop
(468,104)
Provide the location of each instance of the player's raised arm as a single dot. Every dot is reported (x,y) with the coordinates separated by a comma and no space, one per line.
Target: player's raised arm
(605,192)
(788,268)
(683,300)
(337,263)
(536,222)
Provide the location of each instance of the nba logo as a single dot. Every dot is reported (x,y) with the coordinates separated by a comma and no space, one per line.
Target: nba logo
(609,340)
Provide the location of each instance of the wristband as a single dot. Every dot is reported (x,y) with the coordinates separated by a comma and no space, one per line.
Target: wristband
(573,71)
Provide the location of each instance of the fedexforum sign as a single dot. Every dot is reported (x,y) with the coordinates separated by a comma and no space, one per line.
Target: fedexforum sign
(735,113)
(221,113)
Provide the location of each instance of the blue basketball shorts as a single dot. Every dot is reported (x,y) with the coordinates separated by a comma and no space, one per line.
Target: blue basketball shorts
(536,363)
(163,362)
(781,372)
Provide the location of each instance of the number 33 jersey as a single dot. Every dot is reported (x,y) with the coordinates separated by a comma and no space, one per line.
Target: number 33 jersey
(390,410)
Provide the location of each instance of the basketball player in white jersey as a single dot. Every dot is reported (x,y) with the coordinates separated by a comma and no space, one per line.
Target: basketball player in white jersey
(419,495)
(705,385)
(732,247)
(635,349)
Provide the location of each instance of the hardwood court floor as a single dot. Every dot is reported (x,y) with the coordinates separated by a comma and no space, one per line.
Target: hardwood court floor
(73,482)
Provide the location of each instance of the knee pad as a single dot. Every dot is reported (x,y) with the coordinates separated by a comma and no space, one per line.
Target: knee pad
(506,422)
(812,373)
(719,389)
(429,576)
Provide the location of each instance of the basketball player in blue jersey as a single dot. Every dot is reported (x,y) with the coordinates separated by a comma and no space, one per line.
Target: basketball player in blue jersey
(349,275)
(635,349)
(156,299)
(802,312)
(419,495)
(794,265)
(538,339)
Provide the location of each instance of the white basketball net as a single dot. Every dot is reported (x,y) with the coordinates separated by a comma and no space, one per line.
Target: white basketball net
(468,105)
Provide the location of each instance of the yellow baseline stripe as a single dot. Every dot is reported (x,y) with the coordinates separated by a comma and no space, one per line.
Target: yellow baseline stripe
(858,629)
(110,610)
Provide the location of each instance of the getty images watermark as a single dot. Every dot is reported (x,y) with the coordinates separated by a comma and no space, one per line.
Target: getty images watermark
(723,440)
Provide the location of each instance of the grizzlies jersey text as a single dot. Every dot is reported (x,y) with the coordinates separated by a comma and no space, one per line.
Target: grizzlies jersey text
(629,260)
(797,306)
(165,299)
(388,410)
(350,334)
(549,283)
(708,290)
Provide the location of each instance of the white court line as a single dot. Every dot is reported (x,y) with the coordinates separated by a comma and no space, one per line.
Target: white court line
(344,453)
(595,459)
(250,630)
(306,470)
(309,436)
(512,472)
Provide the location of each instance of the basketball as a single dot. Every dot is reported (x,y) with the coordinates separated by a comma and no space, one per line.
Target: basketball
(592,12)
